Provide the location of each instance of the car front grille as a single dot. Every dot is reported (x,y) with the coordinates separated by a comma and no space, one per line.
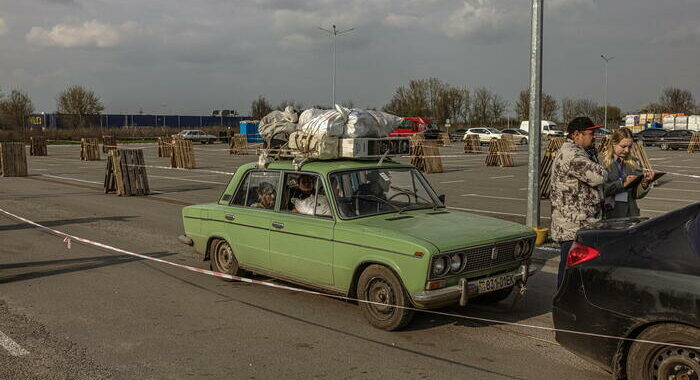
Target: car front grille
(480,258)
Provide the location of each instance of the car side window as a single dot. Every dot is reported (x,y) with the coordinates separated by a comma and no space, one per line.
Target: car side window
(257,190)
(304,193)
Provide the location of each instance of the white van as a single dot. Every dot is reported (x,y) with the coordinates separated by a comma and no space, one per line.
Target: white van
(548,128)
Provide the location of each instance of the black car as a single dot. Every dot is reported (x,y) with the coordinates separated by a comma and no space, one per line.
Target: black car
(675,139)
(637,279)
(519,136)
(650,136)
(457,135)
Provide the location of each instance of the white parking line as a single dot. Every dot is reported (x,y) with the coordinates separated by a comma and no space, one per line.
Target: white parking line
(503,176)
(187,179)
(672,199)
(669,189)
(658,159)
(72,179)
(11,346)
(678,166)
(459,180)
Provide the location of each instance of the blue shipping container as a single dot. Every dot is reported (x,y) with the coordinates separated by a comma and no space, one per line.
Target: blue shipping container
(250,129)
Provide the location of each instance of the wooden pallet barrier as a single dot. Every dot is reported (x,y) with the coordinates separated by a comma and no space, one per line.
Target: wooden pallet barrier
(89,149)
(37,146)
(637,151)
(108,143)
(444,139)
(126,172)
(13,159)
(182,154)
(498,154)
(472,144)
(238,144)
(694,143)
(165,147)
(425,155)
(553,146)
(509,143)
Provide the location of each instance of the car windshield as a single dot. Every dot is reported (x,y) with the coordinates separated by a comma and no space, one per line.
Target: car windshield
(360,193)
(493,130)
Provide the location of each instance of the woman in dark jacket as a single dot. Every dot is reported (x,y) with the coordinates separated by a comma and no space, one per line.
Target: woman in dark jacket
(620,195)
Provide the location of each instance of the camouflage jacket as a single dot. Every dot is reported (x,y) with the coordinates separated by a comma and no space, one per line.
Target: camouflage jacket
(576,191)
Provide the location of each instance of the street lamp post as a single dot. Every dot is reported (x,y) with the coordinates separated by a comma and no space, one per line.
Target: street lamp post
(532,218)
(606,59)
(335,33)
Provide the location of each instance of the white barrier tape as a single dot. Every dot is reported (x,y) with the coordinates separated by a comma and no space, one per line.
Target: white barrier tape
(277,286)
(199,170)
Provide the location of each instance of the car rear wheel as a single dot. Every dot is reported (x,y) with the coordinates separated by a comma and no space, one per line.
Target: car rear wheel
(222,258)
(379,286)
(523,141)
(494,297)
(663,146)
(647,361)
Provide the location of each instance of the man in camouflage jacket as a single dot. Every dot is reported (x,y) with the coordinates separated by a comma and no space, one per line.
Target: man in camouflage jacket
(576,187)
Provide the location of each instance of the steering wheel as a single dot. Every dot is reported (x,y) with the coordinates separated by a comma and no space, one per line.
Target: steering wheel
(408,196)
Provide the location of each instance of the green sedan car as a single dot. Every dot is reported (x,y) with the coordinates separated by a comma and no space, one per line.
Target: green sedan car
(370,230)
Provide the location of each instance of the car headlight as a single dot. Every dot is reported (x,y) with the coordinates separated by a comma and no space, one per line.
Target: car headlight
(456,263)
(527,246)
(518,250)
(440,266)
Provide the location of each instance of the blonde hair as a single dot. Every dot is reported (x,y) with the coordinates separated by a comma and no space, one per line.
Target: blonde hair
(609,150)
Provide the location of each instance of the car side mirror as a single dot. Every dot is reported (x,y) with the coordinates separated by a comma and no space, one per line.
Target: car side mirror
(441,198)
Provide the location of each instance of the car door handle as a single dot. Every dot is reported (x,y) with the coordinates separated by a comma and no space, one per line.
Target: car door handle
(277,225)
(230,217)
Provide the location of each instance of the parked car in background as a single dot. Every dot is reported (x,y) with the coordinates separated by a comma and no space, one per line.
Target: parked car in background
(519,136)
(368,229)
(415,125)
(600,132)
(548,128)
(636,279)
(485,134)
(195,135)
(650,136)
(457,135)
(675,139)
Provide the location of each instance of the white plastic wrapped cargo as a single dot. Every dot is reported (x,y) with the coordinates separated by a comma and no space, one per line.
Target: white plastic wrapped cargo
(310,114)
(668,121)
(694,119)
(330,123)
(309,145)
(631,119)
(694,127)
(386,122)
(278,124)
(363,123)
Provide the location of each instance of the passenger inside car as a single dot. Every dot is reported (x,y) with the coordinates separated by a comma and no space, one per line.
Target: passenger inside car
(266,196)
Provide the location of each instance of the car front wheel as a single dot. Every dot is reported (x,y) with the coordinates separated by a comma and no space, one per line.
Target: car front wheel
(222,258)
(523,141)
(381,291)
(647,361)
(663,146)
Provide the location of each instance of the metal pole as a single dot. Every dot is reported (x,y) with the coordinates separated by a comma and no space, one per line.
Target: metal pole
(606,59)
(533,177)
(335,34)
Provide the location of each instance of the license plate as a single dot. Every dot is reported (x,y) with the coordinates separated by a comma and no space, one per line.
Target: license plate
(491,284)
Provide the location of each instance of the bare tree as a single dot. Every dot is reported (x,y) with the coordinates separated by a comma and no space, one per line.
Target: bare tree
(675,100)
(296,105)
(585,107)
(481,106)
(411,100)
(454,102)
(568,109)
(550,108)
(652,108)
(77,104)
(16,109)
(614,115)
(498,108)
(259,108)
(465,111)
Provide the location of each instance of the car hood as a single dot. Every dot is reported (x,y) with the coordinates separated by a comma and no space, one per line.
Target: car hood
(445,229)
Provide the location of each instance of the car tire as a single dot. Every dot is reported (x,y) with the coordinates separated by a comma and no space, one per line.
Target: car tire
(647,361)
(211,141)
(523,141)
(675,148)
(379,284)
(203,141)
(663,146)
(222,258)
(494,297)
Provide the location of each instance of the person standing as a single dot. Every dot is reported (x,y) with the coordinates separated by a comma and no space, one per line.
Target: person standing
(576,187)
(623,171)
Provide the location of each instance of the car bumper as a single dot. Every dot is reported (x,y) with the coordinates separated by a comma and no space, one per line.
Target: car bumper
(430,299)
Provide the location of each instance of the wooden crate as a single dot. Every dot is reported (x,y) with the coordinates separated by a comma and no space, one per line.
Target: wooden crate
(472,144)
(553,146)
(37,146)
(165,147)
(126,172)
(108,143)
(13,159)
(498,154)
(694,143)
(425,155)
(444,139)
(509,142)
(182,154)
(89,149)
(238,144)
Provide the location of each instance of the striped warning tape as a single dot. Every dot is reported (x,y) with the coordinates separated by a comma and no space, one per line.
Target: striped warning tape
(67,238)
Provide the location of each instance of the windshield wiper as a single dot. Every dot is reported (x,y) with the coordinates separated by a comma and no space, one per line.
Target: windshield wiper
(409,192)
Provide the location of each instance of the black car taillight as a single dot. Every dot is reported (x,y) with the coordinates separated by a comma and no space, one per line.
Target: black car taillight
(580,253)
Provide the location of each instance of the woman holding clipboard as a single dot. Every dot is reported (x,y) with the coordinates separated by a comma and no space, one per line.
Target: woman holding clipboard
(626,182)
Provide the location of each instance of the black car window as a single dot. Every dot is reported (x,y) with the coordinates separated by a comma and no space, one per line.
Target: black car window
(257,190)
(304,193)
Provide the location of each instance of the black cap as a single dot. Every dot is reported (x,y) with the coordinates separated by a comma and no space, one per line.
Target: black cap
(581,123)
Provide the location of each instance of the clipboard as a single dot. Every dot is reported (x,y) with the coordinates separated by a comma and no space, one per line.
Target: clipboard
(640,177)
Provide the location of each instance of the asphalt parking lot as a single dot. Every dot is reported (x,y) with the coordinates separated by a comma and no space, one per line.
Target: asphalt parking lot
(89,313)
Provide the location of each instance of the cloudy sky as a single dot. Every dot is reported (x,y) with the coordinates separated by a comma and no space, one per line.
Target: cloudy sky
(192,56)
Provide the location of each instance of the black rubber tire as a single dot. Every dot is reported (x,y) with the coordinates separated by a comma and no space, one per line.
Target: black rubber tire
(663,146)
(647,361)
(203,141)
(675,148)
(378,283)
(523,141)
(222,258)
(211,141)
(494,297)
